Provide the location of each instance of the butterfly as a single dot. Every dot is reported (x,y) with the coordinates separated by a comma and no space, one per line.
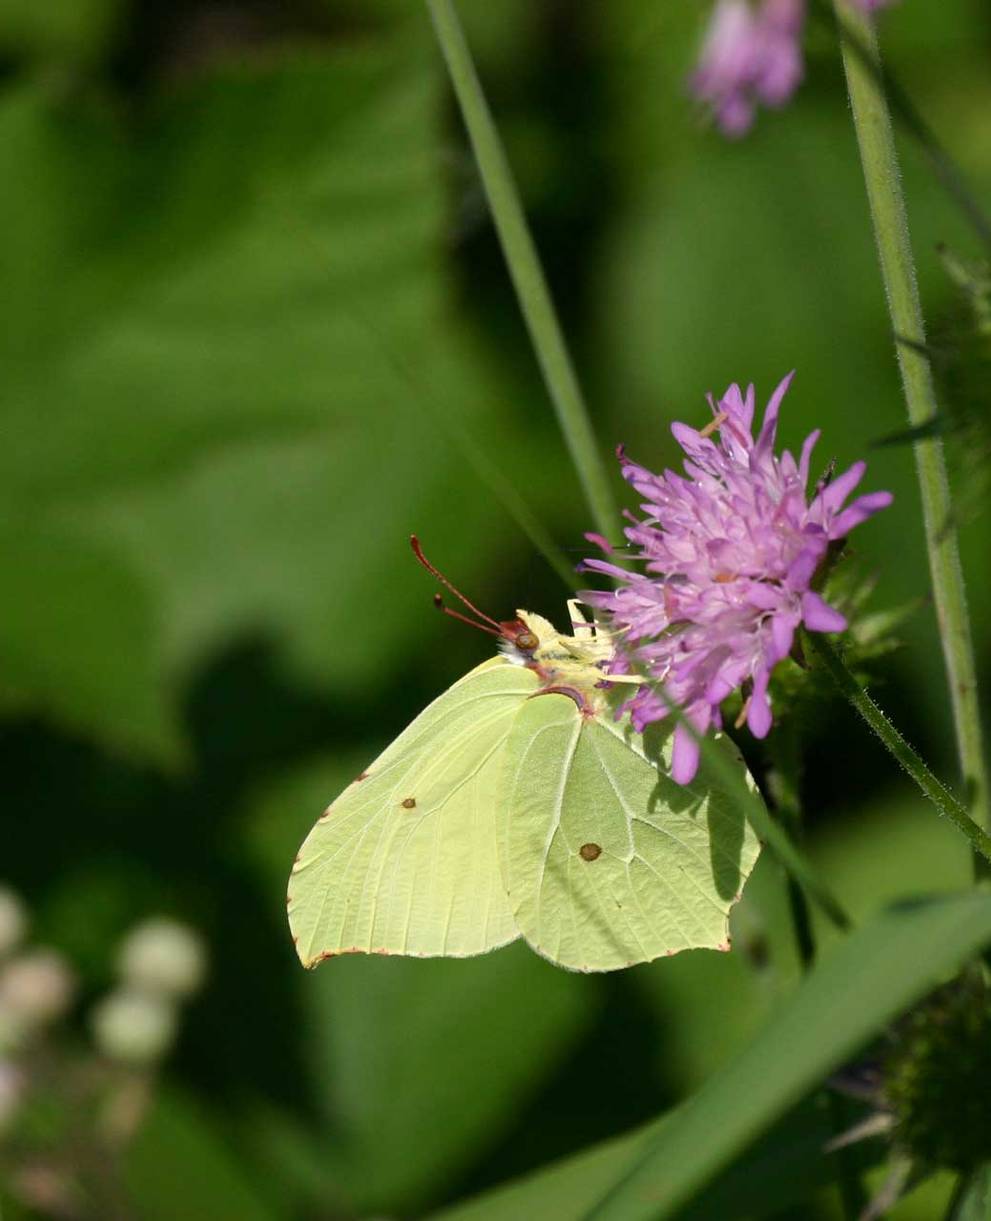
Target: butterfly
(521,803)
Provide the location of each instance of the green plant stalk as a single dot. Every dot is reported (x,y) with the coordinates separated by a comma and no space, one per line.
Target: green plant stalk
(524,268)
(787,765)
(946,170)
(904,952)
(768,831)
(875,138)
(909,759)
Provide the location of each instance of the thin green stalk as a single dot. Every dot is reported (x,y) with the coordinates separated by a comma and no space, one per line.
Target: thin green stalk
(947,172)
(780,843)
(786,791)
(909,759)
(877,151)
(524,268)
(767,830)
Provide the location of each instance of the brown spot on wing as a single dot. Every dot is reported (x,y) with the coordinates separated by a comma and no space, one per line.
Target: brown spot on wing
(408,803)
(590,852)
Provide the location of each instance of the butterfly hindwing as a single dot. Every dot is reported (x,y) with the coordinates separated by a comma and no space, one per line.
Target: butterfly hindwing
(606,861)
(405,861)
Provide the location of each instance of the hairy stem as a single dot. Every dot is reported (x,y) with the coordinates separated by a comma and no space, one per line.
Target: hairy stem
(909,759)
(947,172)
(877,151)
(524,268)
(769,831)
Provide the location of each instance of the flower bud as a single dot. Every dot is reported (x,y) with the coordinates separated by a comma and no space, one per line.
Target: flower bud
(134,1027)
(35,988)
(13,921)
(162,956)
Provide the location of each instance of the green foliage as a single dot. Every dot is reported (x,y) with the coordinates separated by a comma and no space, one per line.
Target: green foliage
(900,952)
(937,1078)
(255,330)
(179,1166)
(201,372)
(61,33)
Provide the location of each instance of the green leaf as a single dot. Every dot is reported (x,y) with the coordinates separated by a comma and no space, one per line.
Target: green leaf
(653,1173)
(781,1169)
(76,633)
(466,1043)
(561,1191)
(865,982)
(71,32)
(179,1166)
(202,384)
(975,1202)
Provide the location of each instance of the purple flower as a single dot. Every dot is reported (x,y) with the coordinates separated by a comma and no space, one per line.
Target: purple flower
(752,55)
(730,550)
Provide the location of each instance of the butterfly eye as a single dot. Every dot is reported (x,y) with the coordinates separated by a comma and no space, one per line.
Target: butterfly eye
(526,642)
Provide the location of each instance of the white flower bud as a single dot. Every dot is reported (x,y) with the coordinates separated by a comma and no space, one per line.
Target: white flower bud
(13,921)
(134,1027)
(162,956)
(35,988)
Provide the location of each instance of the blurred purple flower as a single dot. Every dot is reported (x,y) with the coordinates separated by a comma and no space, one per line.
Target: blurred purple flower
(730,553)
(752,55)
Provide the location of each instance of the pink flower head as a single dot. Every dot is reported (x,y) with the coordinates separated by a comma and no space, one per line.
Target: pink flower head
(730,550)
(750,56)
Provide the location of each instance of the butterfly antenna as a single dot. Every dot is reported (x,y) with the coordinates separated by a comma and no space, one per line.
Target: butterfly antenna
(482,627)
(418,552)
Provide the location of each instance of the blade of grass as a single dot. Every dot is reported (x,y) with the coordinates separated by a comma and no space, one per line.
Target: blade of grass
(875,138)
(524,268)
(869,978)
(948,173)
(776,1172)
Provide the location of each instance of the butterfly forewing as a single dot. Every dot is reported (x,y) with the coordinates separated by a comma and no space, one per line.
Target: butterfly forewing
(606,861)
(405,861)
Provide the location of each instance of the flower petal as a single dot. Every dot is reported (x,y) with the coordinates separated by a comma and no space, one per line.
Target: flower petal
(759,719)
(862,508)
(768,428)
(684,756)
(819,616)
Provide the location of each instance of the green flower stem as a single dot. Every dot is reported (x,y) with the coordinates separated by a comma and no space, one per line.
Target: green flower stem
(947,172)
(910,760)
(877,151)
(524,268)
(785,785)
(768,830)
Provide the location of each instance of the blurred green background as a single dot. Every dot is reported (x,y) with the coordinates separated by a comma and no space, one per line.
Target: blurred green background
(255,330)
